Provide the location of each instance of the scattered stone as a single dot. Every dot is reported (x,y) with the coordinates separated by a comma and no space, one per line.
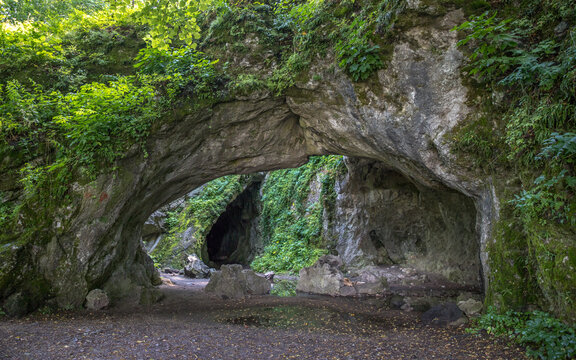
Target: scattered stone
(442,315)
(332,261)
(406,307)
(460,322)
(561,28)
(232,282)
(195,268)
(96,299)
(326,278)
(371,288)
(471,307)
(169,271)
(269,275)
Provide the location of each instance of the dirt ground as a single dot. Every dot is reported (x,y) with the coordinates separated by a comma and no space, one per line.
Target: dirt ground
(190,324)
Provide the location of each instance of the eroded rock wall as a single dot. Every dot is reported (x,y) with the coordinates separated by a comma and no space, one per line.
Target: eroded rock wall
(383,218)
(398,117)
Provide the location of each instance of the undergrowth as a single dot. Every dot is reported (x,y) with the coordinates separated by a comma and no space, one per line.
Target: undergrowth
(544,336)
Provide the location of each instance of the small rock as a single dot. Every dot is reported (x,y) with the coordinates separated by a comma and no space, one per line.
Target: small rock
(442,315)
(561,28)
(373,288)
(471,307)
(96,300)
(460,322)
(195,268)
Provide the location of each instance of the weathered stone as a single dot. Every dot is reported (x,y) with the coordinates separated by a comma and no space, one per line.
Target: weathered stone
(231,282)
(17,305)
(195,268)
(96,299)
(471,307)
(442,315)
(370,288)
(323,277)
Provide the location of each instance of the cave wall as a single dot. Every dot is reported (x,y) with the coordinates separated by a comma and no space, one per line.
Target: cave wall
(383,218)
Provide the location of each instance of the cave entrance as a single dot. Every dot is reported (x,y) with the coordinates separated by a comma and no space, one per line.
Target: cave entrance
(233,239)
(371,216)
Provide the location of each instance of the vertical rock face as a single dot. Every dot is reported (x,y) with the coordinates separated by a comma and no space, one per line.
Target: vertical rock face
(382,217)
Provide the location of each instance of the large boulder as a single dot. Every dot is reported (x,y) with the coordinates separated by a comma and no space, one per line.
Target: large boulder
(324,277)
(232,282)
(195,268)
(96,300)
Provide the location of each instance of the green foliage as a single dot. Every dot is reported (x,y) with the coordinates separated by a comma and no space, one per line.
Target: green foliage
(291,221)
(535,68)
(170,21)
(199,214)
(100,122)
(42,10)
(357,56)
(497,45)
(545,336)
(284,288)
(178,70)
(69,52)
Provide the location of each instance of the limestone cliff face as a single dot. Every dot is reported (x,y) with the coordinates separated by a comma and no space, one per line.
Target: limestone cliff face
(381,217)
(397,118)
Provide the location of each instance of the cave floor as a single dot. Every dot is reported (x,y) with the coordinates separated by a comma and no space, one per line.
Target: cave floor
(190,324)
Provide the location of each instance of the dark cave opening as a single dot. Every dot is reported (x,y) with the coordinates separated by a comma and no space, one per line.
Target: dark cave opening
(234,239)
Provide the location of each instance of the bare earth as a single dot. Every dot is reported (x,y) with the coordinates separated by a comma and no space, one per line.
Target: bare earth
(189,324)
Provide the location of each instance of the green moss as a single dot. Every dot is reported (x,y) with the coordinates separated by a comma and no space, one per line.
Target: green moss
(554,255)
(512,284)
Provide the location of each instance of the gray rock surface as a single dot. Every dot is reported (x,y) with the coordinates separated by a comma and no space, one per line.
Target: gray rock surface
(232,282)
(324,277)
(442,315)
(97,299)
(384,218)
(471,307)
(195,268)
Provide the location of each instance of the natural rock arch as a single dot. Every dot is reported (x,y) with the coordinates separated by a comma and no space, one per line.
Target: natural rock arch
(399,117)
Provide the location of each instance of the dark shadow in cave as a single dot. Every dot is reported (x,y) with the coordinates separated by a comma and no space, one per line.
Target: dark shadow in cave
(233,239)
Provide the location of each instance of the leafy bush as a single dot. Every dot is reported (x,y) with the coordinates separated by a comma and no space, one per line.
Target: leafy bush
(291,223)
(284,288)
(544,336)
(518,56)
